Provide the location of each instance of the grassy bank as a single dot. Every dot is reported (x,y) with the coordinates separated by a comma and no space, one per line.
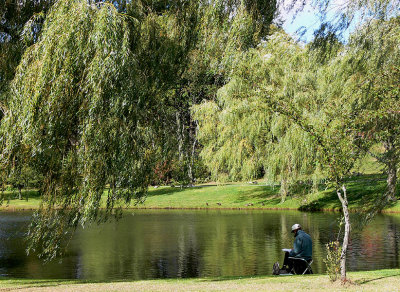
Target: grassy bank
(363,191)
(381,280)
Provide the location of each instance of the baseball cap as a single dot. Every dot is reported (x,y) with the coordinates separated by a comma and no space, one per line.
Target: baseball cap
(295,227)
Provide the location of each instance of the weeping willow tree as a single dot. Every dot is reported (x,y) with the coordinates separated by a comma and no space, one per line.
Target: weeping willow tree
(97,99)
(291,158)
(371,65)
(230,137)
(242,137)
(77,116)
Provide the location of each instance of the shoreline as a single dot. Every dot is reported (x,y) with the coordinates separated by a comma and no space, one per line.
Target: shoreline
(327,210)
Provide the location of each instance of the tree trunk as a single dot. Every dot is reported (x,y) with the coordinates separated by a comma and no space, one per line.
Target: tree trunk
(179,135)
(191,164)
(343,200)
(284,189)
(391,161)
(391,182)
(193,136)
(20,192)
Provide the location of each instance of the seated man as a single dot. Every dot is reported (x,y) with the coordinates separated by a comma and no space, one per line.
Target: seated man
(302,248)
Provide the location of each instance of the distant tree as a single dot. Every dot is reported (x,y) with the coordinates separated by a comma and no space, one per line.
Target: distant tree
(22,178)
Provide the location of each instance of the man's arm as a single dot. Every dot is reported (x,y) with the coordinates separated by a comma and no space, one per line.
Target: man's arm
(297,247)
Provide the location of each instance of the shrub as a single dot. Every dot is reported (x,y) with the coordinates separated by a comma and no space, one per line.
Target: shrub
(332,261)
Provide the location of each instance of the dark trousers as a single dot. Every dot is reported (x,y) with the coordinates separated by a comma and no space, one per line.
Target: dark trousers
(298,265)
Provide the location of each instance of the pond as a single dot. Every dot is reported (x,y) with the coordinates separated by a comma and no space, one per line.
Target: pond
(148,244)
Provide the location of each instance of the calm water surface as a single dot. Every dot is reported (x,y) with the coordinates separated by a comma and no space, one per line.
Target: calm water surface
(161,244)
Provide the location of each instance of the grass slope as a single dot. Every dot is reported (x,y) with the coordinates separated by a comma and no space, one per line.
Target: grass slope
(381,280)
(363,191)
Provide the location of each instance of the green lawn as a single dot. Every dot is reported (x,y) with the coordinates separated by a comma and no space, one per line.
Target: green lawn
(224,196)
(381,280)
(362,192)
(30,200)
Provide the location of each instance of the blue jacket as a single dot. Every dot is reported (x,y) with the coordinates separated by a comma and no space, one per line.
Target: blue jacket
(302,247)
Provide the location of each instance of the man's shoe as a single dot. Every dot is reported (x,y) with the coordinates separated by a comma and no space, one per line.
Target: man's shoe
(275,269)
(284,272)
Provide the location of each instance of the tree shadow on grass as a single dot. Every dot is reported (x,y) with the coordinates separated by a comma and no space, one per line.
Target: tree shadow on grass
(172,190)
(363,194)
(24,284)
(164,191)
(255,193)
(266,196)
(233,278)
(365,281)
(254,277)
(32,283)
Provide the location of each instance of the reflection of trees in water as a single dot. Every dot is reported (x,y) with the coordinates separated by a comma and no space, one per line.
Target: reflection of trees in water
(190,245)
(197,244)
(231,248)
(13,259)
(190,266)
(393,236)
(376,246)
(161,268)
(372,245)
(188,258)
(11,248)
(144,248)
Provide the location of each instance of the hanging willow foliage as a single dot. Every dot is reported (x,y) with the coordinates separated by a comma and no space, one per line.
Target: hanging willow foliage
(242,138)
(76,117)
(97,98)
